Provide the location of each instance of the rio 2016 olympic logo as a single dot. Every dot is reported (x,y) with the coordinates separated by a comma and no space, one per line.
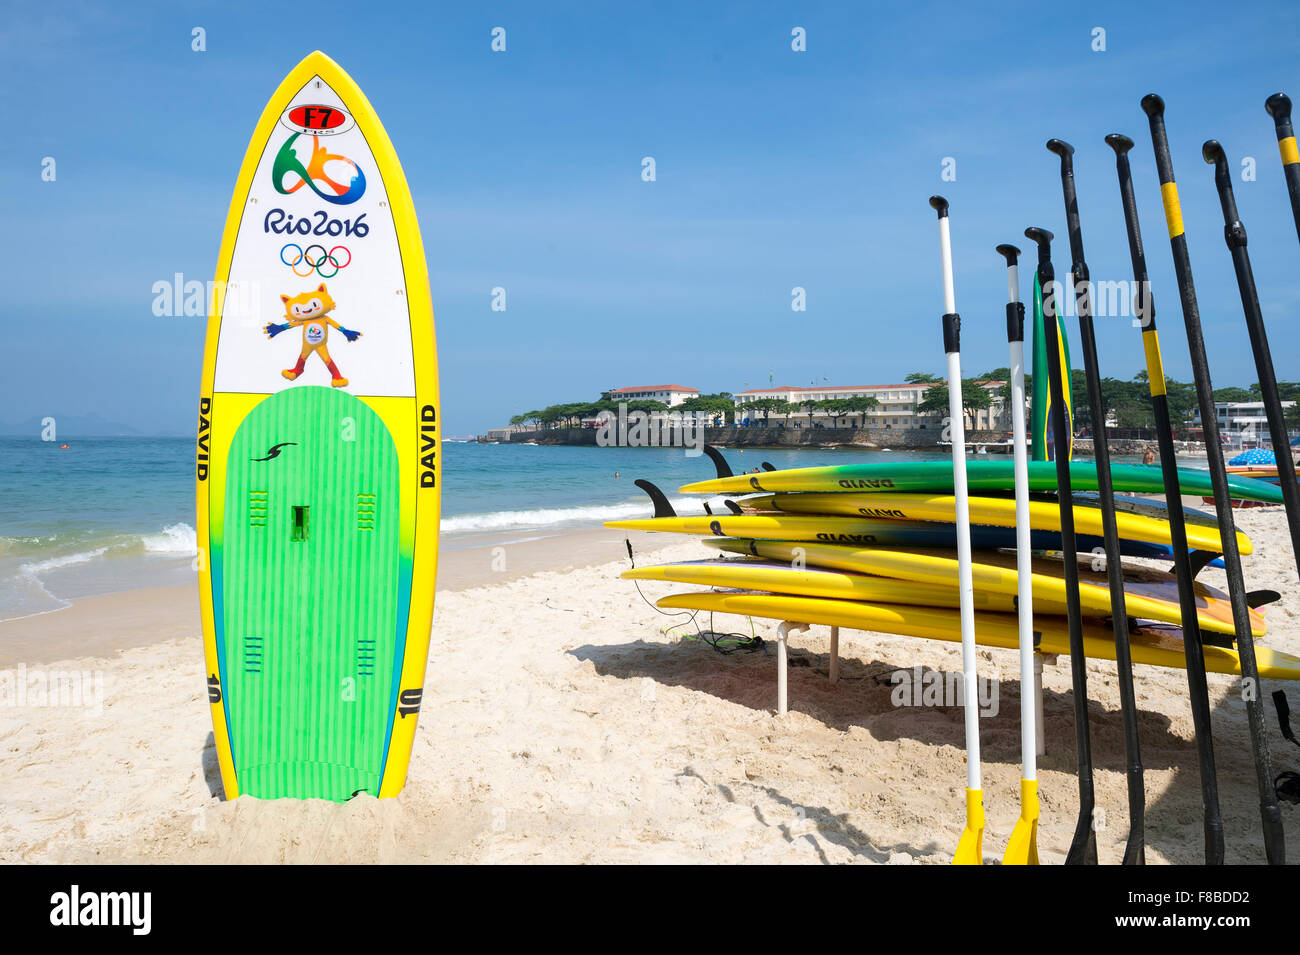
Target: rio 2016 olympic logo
(315,259)
(312,173)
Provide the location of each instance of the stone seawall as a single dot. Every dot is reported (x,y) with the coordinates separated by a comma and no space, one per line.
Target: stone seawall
(750,437)
(1137,446)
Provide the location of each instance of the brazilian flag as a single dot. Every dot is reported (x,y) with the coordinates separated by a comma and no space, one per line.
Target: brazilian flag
(1042,438)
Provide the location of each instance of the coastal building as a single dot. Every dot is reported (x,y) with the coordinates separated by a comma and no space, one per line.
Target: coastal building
(1246,418)
(896,411)
(671,395)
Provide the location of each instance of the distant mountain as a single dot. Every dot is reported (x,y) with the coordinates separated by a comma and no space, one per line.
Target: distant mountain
(72,426)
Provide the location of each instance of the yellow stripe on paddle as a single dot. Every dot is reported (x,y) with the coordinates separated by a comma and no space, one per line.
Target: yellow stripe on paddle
(1290,154)
(1155,364)
(1173,209)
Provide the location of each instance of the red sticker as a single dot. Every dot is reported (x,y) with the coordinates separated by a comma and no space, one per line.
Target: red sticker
(319,118)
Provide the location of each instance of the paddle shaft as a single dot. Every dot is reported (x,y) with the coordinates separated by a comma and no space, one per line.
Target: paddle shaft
(1234,233)
(965,585)
(1270,816)
(1083,847)
(1279,107)
(1135,848)
(1024,553)
(1198,691)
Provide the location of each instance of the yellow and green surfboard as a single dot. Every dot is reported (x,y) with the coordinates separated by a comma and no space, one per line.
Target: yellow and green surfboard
(1044,515)
(1042,443)
(318,477)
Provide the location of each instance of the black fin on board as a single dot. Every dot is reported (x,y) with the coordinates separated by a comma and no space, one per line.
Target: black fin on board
(662,507)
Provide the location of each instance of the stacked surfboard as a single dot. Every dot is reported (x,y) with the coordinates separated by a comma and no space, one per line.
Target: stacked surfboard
(1258,464)
(872,546)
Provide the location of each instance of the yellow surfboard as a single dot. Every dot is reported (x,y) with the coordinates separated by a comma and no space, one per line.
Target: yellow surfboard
(1148,593)
(317,467)
(777,577)
(1153,644)
(995,511)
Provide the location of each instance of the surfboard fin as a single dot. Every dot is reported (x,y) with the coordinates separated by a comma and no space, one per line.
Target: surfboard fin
(662,507)
(719,462)
(1261,598)
(1284,716)
(708,510)
(768,467)
(1200,560)
(733,507)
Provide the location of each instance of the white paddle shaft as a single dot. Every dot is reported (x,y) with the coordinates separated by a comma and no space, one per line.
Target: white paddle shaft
(965,586)
(945,249)
(1024,563)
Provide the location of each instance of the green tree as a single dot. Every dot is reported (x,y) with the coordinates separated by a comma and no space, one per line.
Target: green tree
(1233,393)
(858,405)
(1004,392)
(1291,416)
(773,406)
(720,404)
(974,397)
(1181,396)
(1286,390)
(921,378)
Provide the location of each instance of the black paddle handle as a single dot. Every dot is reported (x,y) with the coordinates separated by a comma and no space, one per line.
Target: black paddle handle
(1193,652)
(1015,307)
(1270,815)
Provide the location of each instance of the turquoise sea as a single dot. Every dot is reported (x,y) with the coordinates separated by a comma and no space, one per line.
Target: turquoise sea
(110,514)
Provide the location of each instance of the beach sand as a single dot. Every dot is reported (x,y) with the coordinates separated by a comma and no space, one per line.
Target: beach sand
(562,723)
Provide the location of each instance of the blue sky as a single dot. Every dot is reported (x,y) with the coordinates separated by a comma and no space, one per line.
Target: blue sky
(775,169)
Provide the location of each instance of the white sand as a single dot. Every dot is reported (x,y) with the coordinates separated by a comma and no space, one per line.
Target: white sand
(560,724)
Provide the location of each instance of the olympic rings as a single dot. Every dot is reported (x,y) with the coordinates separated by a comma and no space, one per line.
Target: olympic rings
(316,263)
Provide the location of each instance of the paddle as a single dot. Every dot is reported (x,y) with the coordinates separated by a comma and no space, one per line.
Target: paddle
(1083,847)
(970,847)
(1234,233)
(1135,849)
(1279,107)
(1270,816)
(1022,847)
(1198,692)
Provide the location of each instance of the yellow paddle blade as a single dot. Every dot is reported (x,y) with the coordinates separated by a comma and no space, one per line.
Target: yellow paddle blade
(970,850)
(1022,849)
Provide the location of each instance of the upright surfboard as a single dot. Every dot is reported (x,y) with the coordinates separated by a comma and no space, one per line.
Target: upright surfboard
(1042,439)
(317,464)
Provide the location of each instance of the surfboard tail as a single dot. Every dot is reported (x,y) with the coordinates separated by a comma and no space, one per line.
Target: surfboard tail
(1042,437)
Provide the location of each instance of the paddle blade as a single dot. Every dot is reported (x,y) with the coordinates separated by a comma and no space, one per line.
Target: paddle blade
(970,850)
(1022,849)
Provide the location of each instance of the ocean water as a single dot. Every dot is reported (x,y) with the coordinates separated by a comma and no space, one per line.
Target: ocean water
(110,514)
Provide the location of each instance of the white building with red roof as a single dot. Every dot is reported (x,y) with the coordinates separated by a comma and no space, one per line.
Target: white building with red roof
(671,395)
(897,403)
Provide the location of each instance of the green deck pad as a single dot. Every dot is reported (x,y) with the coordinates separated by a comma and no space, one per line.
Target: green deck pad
(310,578)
